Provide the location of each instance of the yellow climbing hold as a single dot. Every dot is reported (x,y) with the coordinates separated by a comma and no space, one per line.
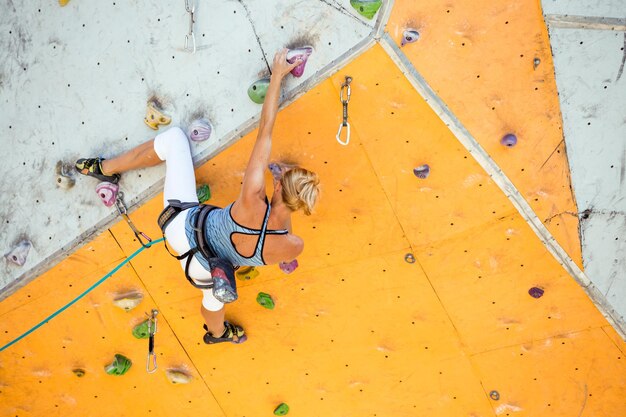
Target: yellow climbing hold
(128,300)
(176,376)
(63,3)
(154,117)
(247,273)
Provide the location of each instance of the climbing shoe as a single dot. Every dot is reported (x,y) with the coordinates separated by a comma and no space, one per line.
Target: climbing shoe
(92,167)
(232,333)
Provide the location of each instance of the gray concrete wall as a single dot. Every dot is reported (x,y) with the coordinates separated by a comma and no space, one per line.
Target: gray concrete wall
(588,41)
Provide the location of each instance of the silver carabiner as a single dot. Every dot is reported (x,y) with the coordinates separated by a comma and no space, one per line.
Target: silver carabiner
(345,87)
(341,126)
(190,35)
(151,355)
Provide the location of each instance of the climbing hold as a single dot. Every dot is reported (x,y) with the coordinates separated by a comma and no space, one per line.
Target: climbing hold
(246,273)
(536,292)
(63,3)
(154,117)
(258,90)
(177,376)
(303,53)
(200,130)
(409,36)
(276,171)
(281,410)
(65,175)
(107,191)
(422,171)
(536,63)
(288,267)
(204,193)
(494,395)
(265,300)
(366,8)
(409,258)
(120,365)
(128,300)
(141,331)
(509,140)
(19,253)
(79,372)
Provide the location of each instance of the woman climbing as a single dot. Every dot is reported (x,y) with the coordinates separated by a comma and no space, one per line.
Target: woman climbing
(251,231)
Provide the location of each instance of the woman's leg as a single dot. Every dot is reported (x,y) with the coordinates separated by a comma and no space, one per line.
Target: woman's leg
(141,156)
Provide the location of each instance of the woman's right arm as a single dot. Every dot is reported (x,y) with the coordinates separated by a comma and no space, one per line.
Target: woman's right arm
(253,187)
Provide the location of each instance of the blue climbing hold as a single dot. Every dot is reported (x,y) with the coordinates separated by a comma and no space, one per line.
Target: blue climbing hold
(509,140)
(422,171)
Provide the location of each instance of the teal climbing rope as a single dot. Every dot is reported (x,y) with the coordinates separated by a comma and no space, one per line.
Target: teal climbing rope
(87,291)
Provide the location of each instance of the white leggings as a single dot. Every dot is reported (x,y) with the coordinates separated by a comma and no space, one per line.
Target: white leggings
(172,147)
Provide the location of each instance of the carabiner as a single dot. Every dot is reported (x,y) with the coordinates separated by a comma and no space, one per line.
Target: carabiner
(151,355)
(341,126)
(191,10)
(345,87)
(121,208)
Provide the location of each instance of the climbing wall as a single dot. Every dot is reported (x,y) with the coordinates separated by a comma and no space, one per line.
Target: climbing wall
(588,41)
(86,81)
(414,296)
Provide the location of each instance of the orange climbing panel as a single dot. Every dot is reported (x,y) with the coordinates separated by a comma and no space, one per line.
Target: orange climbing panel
(356,329)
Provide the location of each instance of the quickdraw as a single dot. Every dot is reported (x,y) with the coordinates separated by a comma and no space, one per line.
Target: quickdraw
(190,36)
(344,96)
(151,366)
(121,208)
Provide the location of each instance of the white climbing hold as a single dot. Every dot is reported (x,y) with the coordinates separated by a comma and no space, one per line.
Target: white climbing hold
(19,253)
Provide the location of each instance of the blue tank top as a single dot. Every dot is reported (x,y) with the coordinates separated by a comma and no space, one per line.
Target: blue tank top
(219,228)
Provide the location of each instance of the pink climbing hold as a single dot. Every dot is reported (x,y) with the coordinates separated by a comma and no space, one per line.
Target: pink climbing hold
(19,253)
(107,192)
(200,130)
(288,267)
(302,53)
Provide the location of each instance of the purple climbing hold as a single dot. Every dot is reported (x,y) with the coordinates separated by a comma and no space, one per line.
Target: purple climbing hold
(509,140)
(422,171)
(303,53)
(535,292)
(200,130)
(409,36)
(276,171)
(288,267)
(107,192)
(19,253)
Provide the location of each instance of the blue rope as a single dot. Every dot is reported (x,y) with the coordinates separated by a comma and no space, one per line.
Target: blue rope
(65,307)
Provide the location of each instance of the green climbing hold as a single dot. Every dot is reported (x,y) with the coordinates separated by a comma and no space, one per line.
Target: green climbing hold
(281,410)
(258,90)
(121,364)
(366,8)
(204,193)
(141,330)
(265,300)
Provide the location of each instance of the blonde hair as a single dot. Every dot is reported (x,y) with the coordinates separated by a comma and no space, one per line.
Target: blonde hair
(300,189)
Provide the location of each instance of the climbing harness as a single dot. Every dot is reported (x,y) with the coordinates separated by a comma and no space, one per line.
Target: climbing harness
(152,329)
(190,36)
(121,208)
(84,293)
(344,96)
(222,271)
